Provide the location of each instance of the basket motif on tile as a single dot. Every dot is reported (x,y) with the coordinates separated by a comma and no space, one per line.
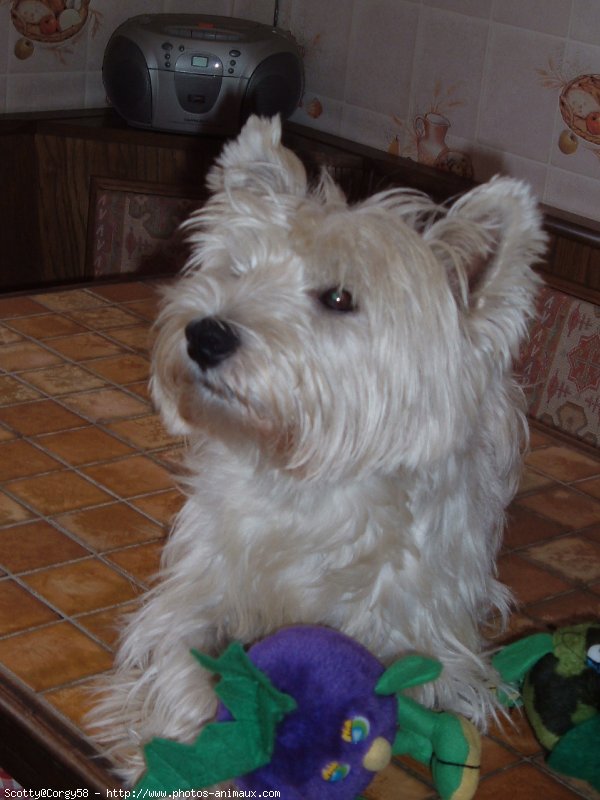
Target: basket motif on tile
(560,365)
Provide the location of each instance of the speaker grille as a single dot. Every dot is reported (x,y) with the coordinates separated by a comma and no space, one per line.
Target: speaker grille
(275,87)
(127,80)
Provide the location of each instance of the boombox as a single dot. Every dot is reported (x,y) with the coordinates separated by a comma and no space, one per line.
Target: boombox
(200,74)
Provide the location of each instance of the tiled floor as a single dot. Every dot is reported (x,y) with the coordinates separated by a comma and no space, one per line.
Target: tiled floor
(87,496)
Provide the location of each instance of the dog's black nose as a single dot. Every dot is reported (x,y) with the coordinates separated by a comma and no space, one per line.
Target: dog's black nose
(210,341)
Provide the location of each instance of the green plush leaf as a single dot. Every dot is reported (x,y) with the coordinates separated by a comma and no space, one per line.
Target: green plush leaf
(408,671)
(223,750)
(515,660)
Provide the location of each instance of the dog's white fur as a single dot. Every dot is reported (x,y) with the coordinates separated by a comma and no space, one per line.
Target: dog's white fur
(349,469)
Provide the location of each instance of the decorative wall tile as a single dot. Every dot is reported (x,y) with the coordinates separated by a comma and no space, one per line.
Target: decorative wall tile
(546,16)
(583,193)
(516,114)
(30,92)
(584,21)
(381,54)
(474,8)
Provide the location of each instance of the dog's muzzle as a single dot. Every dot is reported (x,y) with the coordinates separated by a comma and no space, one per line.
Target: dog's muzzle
(210,341)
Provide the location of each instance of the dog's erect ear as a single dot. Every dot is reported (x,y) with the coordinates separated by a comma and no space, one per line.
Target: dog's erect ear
(488,241)
(257,162)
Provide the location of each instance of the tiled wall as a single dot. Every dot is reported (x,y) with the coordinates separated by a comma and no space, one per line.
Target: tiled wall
(474,86)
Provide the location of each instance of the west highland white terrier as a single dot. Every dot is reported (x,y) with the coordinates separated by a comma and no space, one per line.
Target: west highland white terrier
(343,376)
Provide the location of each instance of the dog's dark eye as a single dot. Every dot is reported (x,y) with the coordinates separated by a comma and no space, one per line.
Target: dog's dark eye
(337,300)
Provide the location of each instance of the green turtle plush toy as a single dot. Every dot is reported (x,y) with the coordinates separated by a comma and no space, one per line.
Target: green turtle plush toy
(557,678)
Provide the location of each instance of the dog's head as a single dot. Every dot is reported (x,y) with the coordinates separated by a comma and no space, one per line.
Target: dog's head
(339,339)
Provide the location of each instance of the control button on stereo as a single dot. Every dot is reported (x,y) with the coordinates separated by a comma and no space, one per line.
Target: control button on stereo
(234,53)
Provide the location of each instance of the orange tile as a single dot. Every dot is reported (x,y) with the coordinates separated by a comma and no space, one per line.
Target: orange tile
(530,480)
(131,476)
(107,625)
(106,404)
(20,610)
(111,526)
(104,318)
(124,292)
(539,439)
(573,509)
(6,434)
(527,581)
(563,463)
(122,369)
(524,527)
(25,355)
(52,656)
(141,561)
(73,702)
(19,307)
(495,756)
(393,782)
(46,326)
(515,733)
(41,416)
(162,506)
(590,486)
(58,492)
(63,379)
(575,557)
(69,300)
(13,391)
(146,308)
(12,512)
(85,346)
(34,545)
(146,432)
(140,389)
(139,337)
(19,458)
(81,586)
(523,782)
(8,336)
(84,445)
(567,609)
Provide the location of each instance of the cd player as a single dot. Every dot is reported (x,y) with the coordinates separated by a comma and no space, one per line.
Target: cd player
(197,73)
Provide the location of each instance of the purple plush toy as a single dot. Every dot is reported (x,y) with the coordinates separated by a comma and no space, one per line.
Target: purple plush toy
(312,714)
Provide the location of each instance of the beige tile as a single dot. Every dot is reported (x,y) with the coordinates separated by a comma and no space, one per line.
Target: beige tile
(106,404)
(563,463)
(14,391)
(63,379)
(69,300)
(575,557)
(146,432)
(25,355)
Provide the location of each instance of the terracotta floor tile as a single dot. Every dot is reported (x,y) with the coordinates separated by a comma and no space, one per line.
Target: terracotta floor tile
(106,404)
(575,557)
(6,434)
(538,439)
(14,391)
(34,545)
(8,336)
(523,782)
(111,526)
(146,308)
(494,756)
(85,346)
(73,702)
(52,656)
(22,356)
(84,445)
(122,369)
(162,506)
(573,509)
(69,300)
(528,581)
(516,734)
(19,458)
(20,610)
(139,337)
(590,486)
(19,307)
(81,586)
(563,463)
(46,326)
(104,318)
(124,292)
(593,532)
(131,476)
(141,389)
(567,609)
(41,416)
(393,783)
(146,432)
(106,625)
(530,480)
(141,561)
(58,492)
(12,512)
(524,527)
(63,379)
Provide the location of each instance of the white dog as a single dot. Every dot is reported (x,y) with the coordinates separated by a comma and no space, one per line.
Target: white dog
(343,376)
